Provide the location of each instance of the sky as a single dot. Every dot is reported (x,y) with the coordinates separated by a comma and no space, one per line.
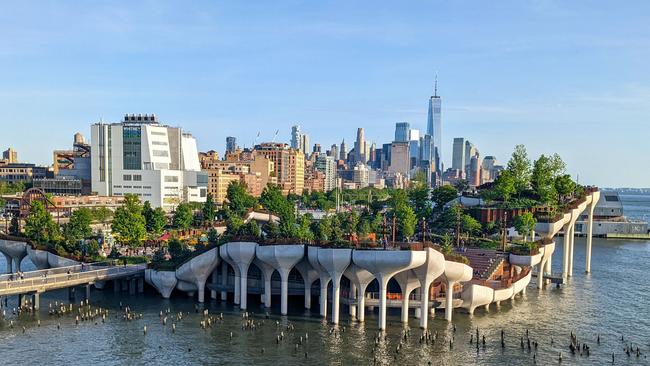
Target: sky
(571,77)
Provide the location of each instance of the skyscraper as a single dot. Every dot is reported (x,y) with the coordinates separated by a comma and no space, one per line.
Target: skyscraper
(304,144)
(231,144)
(360,147)
(295,137)
(470,151)
(334,152)
(458,156)
(402,130)
(344,151)
(434,125)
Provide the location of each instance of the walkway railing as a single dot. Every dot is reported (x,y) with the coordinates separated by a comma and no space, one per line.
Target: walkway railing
(51,271)
(61,280)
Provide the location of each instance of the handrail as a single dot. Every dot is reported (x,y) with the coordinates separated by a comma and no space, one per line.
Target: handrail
(49,271)
(69,278)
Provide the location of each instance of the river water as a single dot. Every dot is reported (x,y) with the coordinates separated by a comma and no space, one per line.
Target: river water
(613,301)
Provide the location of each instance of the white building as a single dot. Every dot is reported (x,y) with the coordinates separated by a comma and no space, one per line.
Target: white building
(327,165)
(158,163)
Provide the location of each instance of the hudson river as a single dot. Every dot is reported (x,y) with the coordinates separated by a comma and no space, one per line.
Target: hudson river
(613,301)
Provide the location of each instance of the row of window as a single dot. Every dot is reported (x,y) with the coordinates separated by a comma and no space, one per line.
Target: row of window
(158,133)
(129,177)
(171,179)
(159,143)
(161,153)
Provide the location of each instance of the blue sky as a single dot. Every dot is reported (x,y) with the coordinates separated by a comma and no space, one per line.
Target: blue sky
(558,76)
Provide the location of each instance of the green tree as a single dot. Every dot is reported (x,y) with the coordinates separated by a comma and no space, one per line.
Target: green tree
(183,217)
(519,167)
(102,214)
(470,225)
(564,186)
(209,209)
(525,224)
(234,224)
(504,186)
(446,244)
(542,179)
(39,225)
(155,219)
(419,196)
(129,223)
(178,250)
(239,201)
(406,221)
(303,231)
(273,200)
(78,227)
(443,194)
(213,236)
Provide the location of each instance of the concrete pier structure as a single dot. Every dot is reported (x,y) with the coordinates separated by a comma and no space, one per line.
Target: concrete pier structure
(282,258)
(223,253)
(384,265)
(309,275)
(335,261)
(14,252)
(242,255)
(361,279)
(323,276)
(595,196)
(407,282)
(267,274)
(426,274)
(198,269)
(453,274)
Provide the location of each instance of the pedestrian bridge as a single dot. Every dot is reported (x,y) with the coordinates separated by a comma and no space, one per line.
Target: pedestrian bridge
(65,277)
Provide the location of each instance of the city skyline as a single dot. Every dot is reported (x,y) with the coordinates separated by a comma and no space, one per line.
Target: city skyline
(499,90)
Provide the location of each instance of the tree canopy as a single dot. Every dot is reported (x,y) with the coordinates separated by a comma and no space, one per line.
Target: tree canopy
(128,222)
(39,225)
(183,217)
(520,169)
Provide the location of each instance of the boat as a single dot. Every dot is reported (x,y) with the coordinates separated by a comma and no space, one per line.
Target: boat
(610,220)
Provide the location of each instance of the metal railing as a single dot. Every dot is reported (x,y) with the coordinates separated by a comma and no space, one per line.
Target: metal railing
(61,280)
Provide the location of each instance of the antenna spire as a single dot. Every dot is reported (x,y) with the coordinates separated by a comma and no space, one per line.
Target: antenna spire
(435,90)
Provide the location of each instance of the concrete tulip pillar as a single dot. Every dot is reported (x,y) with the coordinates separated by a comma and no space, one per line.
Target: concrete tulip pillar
(565,250)
(384,264)
(360,278)
(224,279)
(426,274)
(197,270)
(14,251)
(9,268)
(214,281)
(309,275)
(335,261)
(547,255)
(407,282)
(590,229)
(312,257)
(454,273)
(283,258)
(267,274)
(353,297)
(242,254)
(223,252)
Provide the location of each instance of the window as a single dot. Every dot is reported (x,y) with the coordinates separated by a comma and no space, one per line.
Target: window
(159,143)
(171,179)
(161,153)
(126,177)
(137,177)
(158,133)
